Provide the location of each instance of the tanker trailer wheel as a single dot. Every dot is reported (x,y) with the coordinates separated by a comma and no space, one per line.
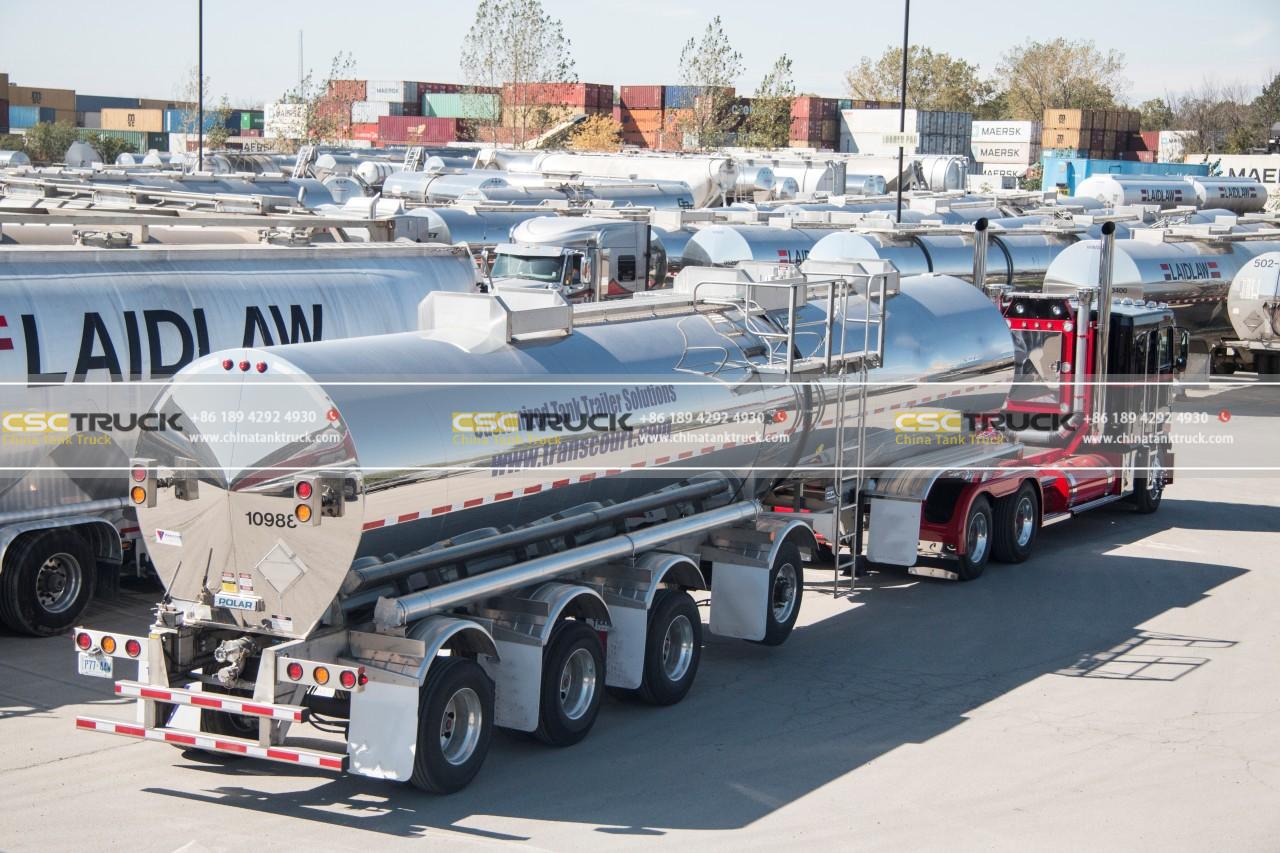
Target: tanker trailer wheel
(978,527)
(230,725)
(786,588)
(47,582)
(1017,522)
(455,725)
(572,684)
(673,648)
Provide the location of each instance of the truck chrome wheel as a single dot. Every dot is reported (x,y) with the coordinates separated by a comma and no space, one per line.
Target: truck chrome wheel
(460,726)
(1024,520)
(677,648)
(577,684)
(978,536)
(58,582)
(785,584)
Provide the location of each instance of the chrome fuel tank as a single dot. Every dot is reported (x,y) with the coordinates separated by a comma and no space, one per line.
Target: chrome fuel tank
(396,424)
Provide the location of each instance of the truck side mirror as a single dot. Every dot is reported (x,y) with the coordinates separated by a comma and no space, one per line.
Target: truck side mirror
(1183,349)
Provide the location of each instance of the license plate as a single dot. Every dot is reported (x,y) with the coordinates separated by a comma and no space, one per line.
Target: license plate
(99,666)
(237,602)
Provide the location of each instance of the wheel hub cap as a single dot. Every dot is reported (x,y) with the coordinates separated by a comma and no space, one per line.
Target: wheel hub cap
(784,593)
(677,648)
(460,726)
(58,583)
(577,684)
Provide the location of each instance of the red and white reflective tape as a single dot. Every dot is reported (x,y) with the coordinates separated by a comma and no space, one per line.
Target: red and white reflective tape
(237,746)
(288,713)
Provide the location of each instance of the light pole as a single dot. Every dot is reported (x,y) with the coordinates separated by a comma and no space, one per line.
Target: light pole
(200,85)
(902,106)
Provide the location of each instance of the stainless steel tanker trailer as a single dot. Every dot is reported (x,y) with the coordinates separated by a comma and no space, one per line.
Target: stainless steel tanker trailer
(84,336)
(489,520)
(1253,306)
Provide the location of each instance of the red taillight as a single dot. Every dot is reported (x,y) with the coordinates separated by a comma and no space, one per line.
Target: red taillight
(138,474)
(227,364)
(132,648)
(347,678)
(261,367)
(294,671)
(244,365)
(84,641)
(364,679)
(302,490)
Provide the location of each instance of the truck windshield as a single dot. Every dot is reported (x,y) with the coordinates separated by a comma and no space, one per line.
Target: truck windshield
(538,268)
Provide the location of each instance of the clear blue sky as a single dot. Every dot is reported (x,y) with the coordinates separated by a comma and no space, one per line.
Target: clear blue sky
(142,47)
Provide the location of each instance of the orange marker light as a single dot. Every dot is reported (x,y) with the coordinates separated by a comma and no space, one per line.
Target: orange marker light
(302,512)
(138,494)
(321,675)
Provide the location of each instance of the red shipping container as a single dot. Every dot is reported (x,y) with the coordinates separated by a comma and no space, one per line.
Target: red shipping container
(365,131)
(350,90)
(586,95)
(1150,140)
(813,107)
(641,97)
(617,114)
(418,129)
(438,89)
(1146,156)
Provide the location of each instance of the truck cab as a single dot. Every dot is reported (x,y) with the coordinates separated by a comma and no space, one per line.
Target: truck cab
(584,259)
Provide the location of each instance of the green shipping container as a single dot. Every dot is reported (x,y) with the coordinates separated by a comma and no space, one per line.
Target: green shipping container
(142,141)
(252,119)
(460,105)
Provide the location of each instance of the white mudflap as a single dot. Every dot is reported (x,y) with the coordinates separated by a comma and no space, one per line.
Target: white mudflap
(517,683)
(383,735)
(894,535)
(739,600)
(625,661)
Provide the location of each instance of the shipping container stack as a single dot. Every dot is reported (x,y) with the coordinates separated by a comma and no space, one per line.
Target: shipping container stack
(944,132)
(1144,146)
(642,116)
(29,105)
(815,123)
(1005,147)
(4,102)
(1095,134)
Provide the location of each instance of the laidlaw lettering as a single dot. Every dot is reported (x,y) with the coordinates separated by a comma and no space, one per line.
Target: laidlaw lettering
(157,343)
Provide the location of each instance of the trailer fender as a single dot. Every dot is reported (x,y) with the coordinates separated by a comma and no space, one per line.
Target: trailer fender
(101,535)
(629,603)
(784,531)
(383,734)
(517,671)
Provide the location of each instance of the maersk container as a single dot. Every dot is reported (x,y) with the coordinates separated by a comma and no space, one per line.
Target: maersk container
(1066,173)
(20,116)
(391,90)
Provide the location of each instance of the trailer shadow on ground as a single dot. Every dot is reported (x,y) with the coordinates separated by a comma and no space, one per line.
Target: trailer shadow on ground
(901,662)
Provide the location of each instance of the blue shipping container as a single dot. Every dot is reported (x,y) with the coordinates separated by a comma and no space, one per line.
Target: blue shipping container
(1060,172)
(680,97)
(98,103)
(20,116)
(180,121)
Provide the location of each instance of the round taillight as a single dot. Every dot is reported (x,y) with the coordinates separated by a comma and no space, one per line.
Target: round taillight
(302,512)
(84,641)
(132,648)
(108,644)
(321,675)
(138,474)
(364,679)
(294,671)
(302,490)
(244,365)
(261,367)
(138,494)
(347,678)
(227,364)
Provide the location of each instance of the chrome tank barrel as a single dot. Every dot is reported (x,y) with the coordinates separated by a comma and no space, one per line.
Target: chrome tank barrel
(1253,302)
(722,245)
(397,426)
(1193,277)
(88,327)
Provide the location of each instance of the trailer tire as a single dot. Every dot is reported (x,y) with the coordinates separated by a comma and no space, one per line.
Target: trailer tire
(786,589)
(47,582)
(229,725)
(673,648)
(978,525)
(572,684)
(1017,523)
(1148,490)
(455,725)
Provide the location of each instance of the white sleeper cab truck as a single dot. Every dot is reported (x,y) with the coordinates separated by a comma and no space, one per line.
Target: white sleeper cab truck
(580,258)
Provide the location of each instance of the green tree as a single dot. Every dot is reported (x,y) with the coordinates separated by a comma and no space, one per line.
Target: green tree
(517,42)
(935,80)
(110,147)
(769,123)
(1037,76)
(325,109)
(711,64)
(1156,114)
(11,142)
(48,142)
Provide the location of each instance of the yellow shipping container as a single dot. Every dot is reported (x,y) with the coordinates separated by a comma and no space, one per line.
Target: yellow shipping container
(1054,137)
(122,118)
(1060,119)
(32,96)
